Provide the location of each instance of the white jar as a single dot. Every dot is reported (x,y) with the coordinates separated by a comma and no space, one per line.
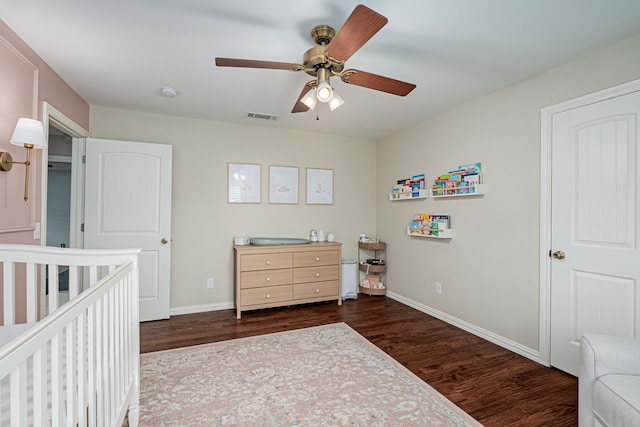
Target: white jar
(321,237)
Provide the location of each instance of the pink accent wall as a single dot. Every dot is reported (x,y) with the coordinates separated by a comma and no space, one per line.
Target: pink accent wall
(26,81)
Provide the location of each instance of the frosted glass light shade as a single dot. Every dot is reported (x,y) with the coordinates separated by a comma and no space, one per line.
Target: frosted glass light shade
(335,101)
(309,99)
(325,92)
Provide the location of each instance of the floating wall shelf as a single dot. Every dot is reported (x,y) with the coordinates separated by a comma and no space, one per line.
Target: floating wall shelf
(446,233)
(475,190)
(414,195)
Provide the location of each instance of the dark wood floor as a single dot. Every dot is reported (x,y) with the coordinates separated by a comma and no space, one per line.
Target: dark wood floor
(495,386)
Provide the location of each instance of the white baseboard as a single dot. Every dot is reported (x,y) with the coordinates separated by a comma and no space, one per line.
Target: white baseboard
(201,308)
(503,342)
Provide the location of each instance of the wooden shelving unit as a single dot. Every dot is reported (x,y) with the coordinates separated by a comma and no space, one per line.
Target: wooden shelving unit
(364,250)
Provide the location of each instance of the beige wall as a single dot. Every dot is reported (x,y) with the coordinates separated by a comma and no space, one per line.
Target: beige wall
(490,269)
(204,224)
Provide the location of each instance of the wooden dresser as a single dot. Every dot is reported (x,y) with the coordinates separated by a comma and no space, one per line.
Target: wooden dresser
(274,276)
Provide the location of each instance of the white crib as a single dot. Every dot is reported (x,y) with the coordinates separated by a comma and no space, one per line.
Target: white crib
(78,365)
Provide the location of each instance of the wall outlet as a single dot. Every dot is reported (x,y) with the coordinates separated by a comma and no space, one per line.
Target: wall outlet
(438,288)
(210,282)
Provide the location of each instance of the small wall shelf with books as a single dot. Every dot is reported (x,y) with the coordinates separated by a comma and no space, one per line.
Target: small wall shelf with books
(444,234)
(436,226)
(409,189)
(420,194)
(464,181)
(470,190)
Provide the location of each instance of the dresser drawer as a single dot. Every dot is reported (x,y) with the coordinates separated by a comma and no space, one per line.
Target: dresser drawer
(308,259)
(316,274)
(251,262)
(261,278)
(315,290)
(269,294)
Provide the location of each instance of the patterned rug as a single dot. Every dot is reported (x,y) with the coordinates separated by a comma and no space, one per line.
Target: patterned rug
(321,376)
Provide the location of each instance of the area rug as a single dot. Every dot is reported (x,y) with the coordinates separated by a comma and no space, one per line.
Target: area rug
(322,376)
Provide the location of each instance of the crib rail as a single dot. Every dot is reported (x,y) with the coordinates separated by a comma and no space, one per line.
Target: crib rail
(79,365)
(88,264)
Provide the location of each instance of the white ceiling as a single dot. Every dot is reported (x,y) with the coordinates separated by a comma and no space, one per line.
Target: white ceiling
(119,53)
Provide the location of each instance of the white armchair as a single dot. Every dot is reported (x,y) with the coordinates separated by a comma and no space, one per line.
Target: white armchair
(609,381)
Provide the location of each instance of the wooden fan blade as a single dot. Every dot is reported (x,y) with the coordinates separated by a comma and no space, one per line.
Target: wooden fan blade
(360,26)
(299,107)
(251,63)
(376,82)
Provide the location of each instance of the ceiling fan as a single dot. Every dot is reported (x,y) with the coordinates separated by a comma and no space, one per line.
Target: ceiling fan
(327,59)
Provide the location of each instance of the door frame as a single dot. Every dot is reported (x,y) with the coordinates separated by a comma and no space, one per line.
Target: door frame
(546,130)
(52,116)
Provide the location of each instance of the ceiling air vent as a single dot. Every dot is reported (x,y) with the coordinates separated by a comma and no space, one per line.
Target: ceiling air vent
(262,116)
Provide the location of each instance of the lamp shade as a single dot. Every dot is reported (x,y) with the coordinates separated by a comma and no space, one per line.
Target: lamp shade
(335,101)
(309,99)
(324,92)
(29,131)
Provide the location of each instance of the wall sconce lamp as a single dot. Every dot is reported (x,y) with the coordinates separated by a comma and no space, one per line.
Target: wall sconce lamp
(30,134)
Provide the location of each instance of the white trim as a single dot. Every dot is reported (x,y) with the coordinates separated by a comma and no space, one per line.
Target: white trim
(50,115)
(503,342)
(200,308)
(546,130)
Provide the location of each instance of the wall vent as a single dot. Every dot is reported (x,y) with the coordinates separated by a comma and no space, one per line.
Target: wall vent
(262,116)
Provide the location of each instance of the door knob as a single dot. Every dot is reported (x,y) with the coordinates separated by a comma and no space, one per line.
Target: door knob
(559,255)
(164,241)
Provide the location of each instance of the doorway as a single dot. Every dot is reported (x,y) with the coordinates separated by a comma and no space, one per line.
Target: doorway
(589,229)
(62,191)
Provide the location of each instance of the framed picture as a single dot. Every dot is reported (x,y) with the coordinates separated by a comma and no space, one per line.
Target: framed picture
(319,186)
(283,185)
(244,183)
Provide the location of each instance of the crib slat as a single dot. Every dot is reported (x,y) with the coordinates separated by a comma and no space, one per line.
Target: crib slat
(19,395)
(53,288)
(107,374)
(91,365)
(93,275)
(32,292)
(56,384)
(99,355)
(9,281)
(82,378)
(74,286)
(113,320)
(40,387)
(70,375)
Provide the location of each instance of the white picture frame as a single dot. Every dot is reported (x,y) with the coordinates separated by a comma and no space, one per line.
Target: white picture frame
(283,185)
(319,186)
(244,183)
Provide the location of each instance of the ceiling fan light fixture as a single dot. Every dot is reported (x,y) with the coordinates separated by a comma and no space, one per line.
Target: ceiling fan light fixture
(310,99)
(324,92)
(336,101)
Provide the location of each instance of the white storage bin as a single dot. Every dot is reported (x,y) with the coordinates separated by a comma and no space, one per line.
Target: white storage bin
(349,278)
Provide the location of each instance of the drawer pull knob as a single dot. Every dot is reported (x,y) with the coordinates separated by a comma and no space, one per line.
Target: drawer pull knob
(317,291)
(268,278)
(317,258)
(268,262)
(268,295)
(317,274)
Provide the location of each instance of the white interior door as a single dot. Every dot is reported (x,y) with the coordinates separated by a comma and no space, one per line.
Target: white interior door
(594,225)
(128,205)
